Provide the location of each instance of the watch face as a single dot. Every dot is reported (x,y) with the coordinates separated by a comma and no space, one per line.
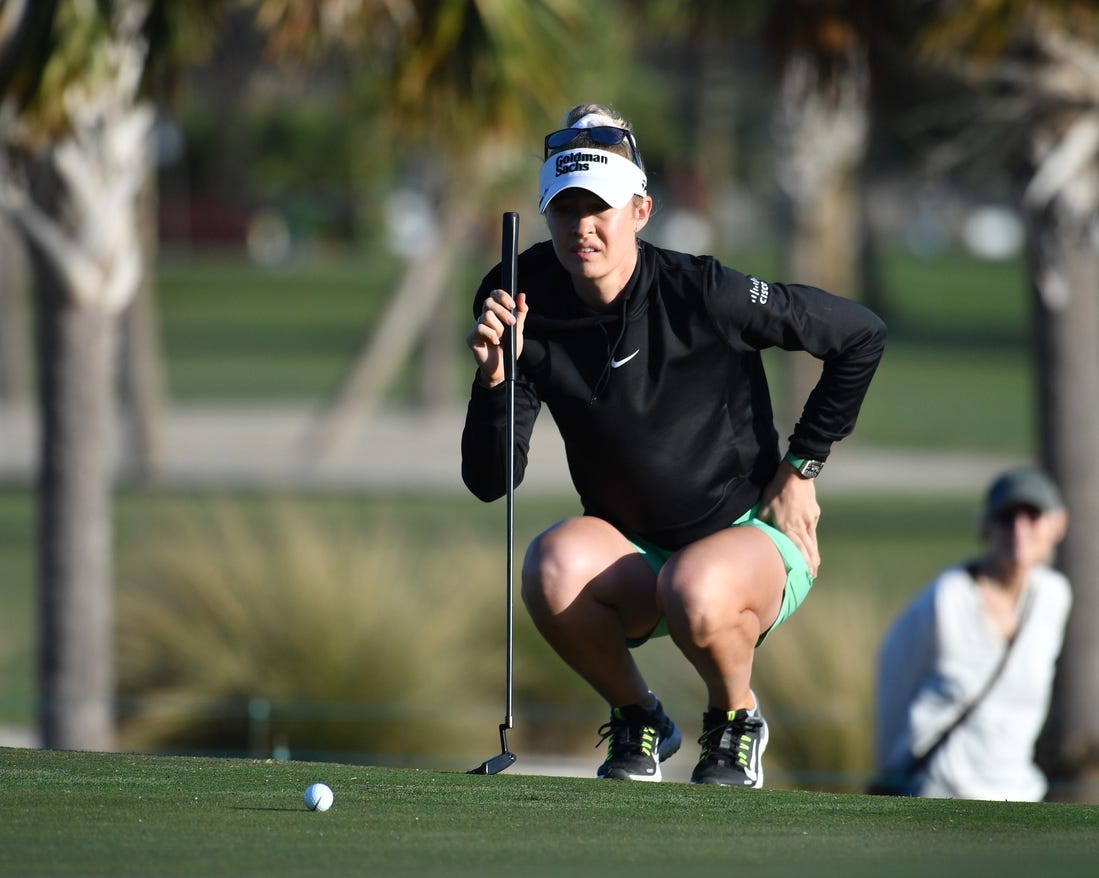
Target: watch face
(811,468)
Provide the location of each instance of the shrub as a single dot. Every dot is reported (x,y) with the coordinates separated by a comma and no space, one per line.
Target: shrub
(282,630)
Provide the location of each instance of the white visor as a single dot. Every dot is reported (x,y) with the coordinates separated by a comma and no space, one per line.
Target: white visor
(610,176)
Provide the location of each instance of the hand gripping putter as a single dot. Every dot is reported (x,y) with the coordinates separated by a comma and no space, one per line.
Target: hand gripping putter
(509,265)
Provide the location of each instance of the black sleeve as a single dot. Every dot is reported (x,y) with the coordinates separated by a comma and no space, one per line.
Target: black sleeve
(484,437)
(847,337)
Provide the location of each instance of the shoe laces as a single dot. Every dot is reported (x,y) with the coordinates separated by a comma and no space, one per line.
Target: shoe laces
(731,739)
(626,735)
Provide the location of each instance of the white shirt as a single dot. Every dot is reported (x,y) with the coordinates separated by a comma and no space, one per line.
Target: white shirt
(938,656)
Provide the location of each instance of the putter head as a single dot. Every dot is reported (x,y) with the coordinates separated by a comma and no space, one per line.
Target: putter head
(494,765)
(506,759)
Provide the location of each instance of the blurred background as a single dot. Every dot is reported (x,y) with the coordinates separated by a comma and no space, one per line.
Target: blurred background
(239,241)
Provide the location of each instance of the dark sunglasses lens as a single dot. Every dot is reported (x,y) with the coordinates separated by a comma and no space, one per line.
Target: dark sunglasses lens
(561,138)
(1008,516)
(605,136)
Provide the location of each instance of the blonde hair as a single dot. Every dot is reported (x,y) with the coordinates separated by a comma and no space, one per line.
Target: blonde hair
(581,110)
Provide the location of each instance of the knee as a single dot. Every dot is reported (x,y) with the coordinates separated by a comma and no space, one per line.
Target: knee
(699,599)
(551,578)
(685,590)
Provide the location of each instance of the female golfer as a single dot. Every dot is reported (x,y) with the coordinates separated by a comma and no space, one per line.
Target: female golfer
(694,524)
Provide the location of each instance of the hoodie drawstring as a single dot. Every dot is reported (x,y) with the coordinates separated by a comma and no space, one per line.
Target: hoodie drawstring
(604,376)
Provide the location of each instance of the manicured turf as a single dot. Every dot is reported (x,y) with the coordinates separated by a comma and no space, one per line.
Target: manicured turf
(94,814)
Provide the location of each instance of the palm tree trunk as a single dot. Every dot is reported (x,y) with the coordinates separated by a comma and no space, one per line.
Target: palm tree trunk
(142,359)
(822,125)
(75,355)
(416,303)
(1064,269)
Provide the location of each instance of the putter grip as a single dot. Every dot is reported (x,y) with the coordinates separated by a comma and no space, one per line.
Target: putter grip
(509,266)
(509,255)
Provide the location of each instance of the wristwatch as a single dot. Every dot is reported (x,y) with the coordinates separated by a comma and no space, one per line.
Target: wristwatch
(806,467)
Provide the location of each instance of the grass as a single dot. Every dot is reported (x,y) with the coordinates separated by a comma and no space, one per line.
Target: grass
(983,401)
(16,604)
(115,815)
(231,330)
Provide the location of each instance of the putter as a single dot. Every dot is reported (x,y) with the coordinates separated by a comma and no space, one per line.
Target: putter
(509,266)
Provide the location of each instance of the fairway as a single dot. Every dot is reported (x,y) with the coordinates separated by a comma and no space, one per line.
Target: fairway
(114,814)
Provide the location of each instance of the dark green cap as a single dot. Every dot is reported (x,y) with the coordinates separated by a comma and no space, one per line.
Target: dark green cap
(1022,487)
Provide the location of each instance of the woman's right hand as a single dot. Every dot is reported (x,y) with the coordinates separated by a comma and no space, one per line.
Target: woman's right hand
(486,337)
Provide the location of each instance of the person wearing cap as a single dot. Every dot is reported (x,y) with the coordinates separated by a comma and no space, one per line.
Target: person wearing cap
(693,524)
(966,670)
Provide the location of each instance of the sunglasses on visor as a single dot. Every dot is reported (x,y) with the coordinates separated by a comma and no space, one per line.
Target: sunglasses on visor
(602,135)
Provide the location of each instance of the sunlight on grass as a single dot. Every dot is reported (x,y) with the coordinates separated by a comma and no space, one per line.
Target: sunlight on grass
(92,814)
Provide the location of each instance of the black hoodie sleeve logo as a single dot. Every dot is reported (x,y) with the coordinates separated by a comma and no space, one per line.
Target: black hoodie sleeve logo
(760,292)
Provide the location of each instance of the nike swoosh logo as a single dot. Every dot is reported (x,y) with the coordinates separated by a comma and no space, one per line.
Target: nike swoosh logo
(749,771)
(616,363)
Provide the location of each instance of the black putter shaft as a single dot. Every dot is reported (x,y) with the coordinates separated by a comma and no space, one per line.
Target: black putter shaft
(509,264)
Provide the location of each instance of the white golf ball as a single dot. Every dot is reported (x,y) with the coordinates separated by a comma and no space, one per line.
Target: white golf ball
(319,797)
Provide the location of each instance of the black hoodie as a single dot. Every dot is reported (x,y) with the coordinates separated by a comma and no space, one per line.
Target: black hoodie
(662,401)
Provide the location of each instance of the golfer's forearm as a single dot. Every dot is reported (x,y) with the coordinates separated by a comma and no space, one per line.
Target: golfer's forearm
(484,440)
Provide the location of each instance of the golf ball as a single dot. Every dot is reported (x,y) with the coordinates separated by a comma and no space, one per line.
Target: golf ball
(319,797)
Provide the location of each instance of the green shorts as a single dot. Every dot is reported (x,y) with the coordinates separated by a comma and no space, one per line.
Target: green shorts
(798,578)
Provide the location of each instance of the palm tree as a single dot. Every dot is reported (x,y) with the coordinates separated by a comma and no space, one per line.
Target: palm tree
(75,162)
(76,157)
(820,119)
(1037,68)
(822,124)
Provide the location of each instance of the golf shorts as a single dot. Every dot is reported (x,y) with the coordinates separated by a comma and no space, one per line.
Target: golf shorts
(798,578)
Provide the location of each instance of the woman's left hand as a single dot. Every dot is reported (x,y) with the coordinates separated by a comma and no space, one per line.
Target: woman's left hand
(790,504)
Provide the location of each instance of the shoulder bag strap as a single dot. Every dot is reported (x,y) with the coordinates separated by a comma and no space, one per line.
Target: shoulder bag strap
(919,762)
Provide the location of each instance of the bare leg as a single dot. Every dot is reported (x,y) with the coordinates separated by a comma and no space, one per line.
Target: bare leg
(719,594)
(587,590)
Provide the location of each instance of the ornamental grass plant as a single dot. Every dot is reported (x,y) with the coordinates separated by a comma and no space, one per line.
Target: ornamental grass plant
(282,631)
(277,629)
